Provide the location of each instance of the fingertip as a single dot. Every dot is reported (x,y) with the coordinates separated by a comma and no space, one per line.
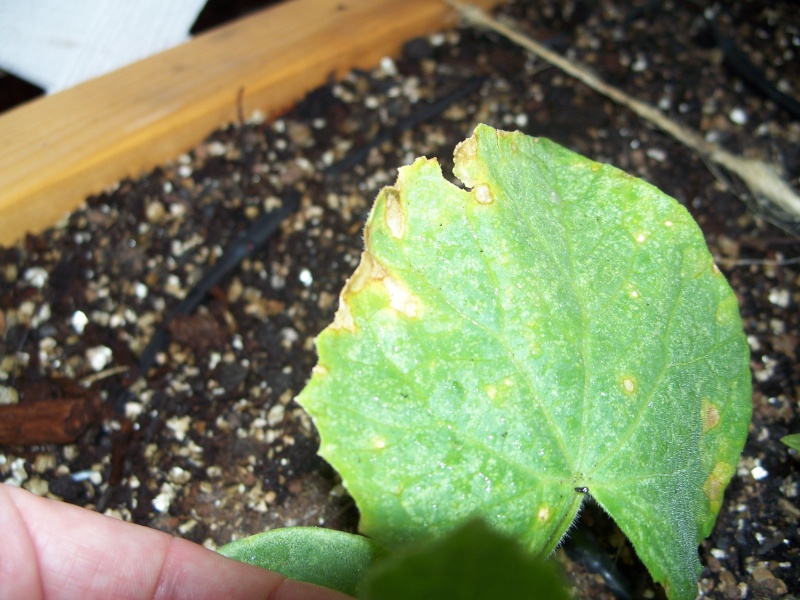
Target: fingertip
(19,569)
(59,547)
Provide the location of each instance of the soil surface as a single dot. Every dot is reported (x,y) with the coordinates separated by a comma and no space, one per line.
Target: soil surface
(208,443)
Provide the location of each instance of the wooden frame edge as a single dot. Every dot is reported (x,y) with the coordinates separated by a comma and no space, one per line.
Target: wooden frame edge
(61,148)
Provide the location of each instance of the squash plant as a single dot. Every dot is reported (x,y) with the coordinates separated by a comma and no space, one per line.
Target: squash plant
(558,329)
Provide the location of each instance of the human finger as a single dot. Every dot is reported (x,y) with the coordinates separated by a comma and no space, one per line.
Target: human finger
(55,551)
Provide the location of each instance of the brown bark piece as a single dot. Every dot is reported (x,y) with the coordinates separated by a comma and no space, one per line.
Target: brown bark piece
(47,422)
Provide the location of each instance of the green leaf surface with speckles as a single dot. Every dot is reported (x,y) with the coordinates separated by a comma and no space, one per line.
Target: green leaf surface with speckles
(558,328)
(326,557)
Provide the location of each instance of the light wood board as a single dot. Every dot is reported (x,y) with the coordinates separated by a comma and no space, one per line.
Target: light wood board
(59,149)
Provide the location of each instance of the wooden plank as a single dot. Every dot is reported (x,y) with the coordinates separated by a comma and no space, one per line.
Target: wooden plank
(59,149)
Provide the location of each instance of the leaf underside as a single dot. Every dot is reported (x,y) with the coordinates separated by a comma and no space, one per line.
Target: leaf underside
(557,325)
(326,557)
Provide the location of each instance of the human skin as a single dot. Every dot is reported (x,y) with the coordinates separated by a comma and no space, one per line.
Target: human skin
(55,551)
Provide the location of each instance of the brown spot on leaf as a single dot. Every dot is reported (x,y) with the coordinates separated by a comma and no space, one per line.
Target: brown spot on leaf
(710,415)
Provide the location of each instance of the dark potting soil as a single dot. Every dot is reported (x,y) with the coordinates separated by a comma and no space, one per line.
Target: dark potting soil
(209,444)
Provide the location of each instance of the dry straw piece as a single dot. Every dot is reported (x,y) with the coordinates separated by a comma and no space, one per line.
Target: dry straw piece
(762,179)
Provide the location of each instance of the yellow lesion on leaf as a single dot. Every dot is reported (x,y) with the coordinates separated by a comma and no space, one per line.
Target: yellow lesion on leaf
(370,271)
(543,514)
(343,319)
(727,309)
(629,384)
(468,170)
(400,298)
(394,216)
(366,270)
(715,485)
(483,194)
(464,155)
(499,392)
(710,415)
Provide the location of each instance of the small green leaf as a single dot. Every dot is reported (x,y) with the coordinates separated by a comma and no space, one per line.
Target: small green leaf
(472,562)
(558,328)
(793,441)
(325,557)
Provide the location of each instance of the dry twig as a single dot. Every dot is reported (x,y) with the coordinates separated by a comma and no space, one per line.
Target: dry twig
(762,179)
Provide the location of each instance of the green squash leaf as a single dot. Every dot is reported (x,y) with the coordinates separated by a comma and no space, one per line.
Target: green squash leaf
(325,557)
(470,562)
(793,441)
(559,328)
